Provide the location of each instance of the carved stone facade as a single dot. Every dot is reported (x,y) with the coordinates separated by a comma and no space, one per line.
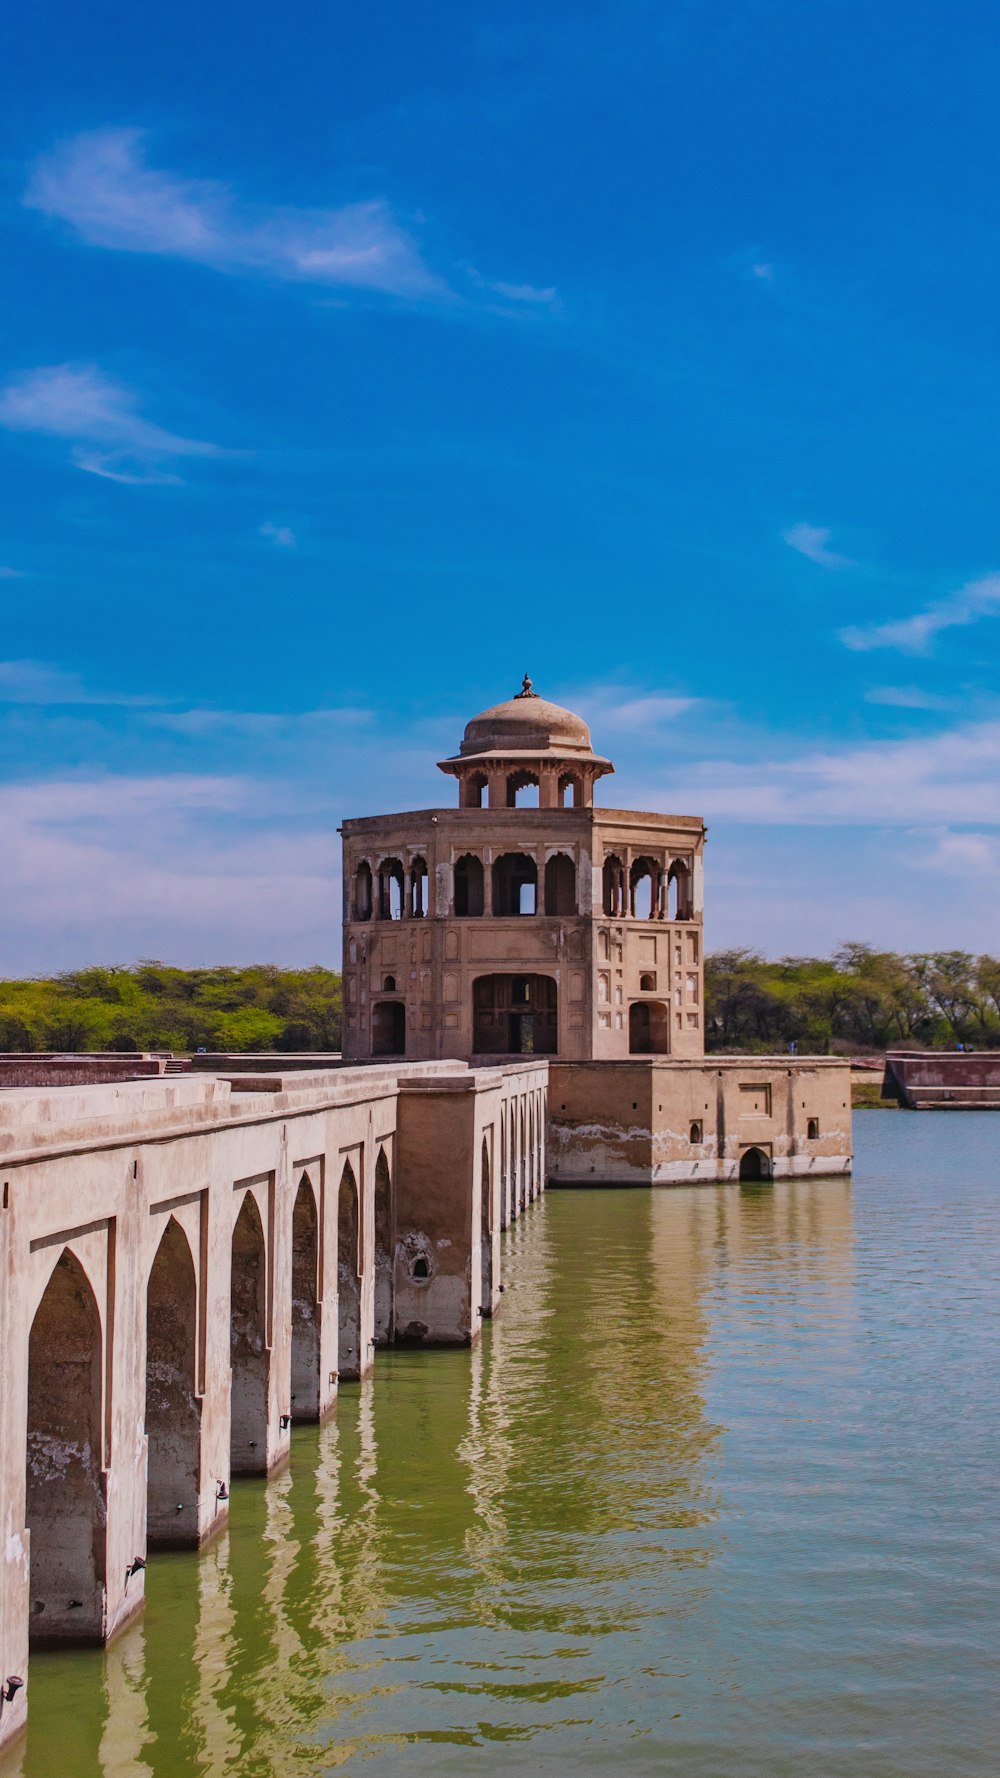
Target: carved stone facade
(499,929)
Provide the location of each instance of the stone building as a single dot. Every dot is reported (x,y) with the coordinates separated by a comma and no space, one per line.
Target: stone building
(526,920)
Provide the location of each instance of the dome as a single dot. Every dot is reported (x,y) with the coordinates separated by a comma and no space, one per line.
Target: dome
(526,724)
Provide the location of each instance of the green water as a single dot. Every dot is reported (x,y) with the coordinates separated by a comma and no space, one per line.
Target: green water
(716,1496)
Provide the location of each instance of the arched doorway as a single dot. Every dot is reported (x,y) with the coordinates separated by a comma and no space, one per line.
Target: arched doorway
(514,1015)
(648,1028)
(385,1252)
(755,1163)
(388,1028)
(305,1304)
(486,1228)
(65,1510)
(249,1355)
(173,1409)
(348,1275)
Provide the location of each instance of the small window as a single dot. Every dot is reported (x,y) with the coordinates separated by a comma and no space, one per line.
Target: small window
(647,983)
(812,1129)
(389,985)
(420,1267)
(695,1134)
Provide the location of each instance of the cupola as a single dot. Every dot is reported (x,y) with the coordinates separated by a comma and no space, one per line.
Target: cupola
(526,740)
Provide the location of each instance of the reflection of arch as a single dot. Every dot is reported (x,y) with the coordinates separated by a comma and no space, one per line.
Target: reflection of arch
(64,1507)
(486,1227)
(385,1251)
(468,885)
(755,1163)
(613,879)
(173,1410)
(560,885)
(515,884)
(363,891)
(388,1028)
(349,1274)
(517,784)
(251,1360)
(648,1028)
(391,889)
(305,1304)
(514,1015)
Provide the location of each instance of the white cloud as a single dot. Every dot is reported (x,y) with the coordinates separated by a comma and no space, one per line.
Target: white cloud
(100,183)
(905,697)
(975,854)
(11,574)
(282,536)
(101,417)
(813,541)
(916,635)
(764,271)
(37,682)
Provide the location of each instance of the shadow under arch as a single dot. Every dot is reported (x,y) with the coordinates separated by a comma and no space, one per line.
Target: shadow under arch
(755,1165)
(385,1252)
(349,1275)
(173,1410)
(306,1312)
(249,1354)
(65,1506)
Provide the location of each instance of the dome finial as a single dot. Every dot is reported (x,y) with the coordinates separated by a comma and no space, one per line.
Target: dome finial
(526,689)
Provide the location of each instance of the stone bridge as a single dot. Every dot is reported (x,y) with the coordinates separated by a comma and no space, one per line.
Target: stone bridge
(191,1263)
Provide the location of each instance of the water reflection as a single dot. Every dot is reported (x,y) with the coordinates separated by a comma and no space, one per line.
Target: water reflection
(629,1521)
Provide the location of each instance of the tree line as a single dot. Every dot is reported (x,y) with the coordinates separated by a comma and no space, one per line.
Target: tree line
(858,999)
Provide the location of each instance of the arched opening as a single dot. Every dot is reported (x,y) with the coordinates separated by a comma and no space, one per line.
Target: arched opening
(648,1028)
(385,1251)
(504,1181)
(389,985)
(643,881)
(418,888)
(477,791)
(388,1028)
(363,892)
(306,1374)
(468,886)
(64,1509)
(486,1229)
(173,1410)
(570,791)
(349,1275)
(755,1164)
(522,790)
(522,1169)
(812,1129)
(613,876)
(695,1132)
(391,889)
(249,1354)
(514,1015)
(647,983)
(560,885)
(515,884)
(679,903)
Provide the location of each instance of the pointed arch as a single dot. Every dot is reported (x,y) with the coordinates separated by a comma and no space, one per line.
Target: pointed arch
(249,1354)
(65,1509)
(385,1252)
(486,1227)
(349,1274)
(173,1407)
(306,1312)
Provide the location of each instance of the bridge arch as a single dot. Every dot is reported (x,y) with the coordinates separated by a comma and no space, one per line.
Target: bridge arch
(306,1311)
(385,1251)
(249,1354)
(349,1274)
(173,1408)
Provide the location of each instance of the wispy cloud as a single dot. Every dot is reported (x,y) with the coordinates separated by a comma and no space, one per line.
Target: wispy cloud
(906,697)
(916,635)
(11,574)
(101,184)
(282,536)
(101,417)
(813,541)
(976,854)
(764,271)
(38,682)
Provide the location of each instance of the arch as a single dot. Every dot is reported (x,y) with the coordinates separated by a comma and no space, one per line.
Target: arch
(647,983)
(643,883)
(648,1028)
(522,1199)
(515,884)
(570,791)
(418,889)
(486,1228)
(363,891)
(514,1015)
(306,1312)
(755,1163)
(385,1252)
(173,1409)
(389,985)
(468,876)
(613,878)
(696,1132)
(504,1183)
(388,1028)
(64,1506)
(249,1354)
(391,889)
(522,790)
(477,791)
(560,884)
(349,1275)
(679,901)
(812,1129)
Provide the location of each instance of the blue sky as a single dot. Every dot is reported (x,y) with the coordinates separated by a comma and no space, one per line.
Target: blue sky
(357,359)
